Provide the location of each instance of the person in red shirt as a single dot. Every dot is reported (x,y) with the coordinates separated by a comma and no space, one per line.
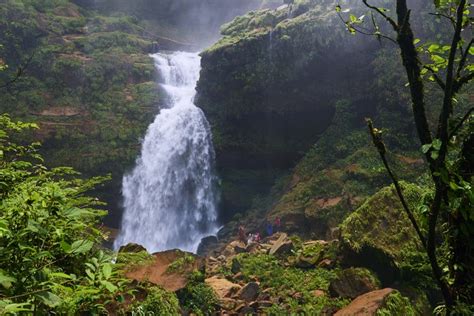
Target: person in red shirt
(277,224)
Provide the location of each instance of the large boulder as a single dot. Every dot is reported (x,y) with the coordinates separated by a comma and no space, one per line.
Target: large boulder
(207,245)
(281,246)
(379,236)
(367,304)
(222,287)
(350,283)
(249,292)
(381,302)
(311,254)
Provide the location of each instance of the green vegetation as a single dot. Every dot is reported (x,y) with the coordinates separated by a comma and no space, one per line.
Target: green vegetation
(48,236)
(286,92)
(294,285)
(198,297)
(133,260)
(157,302)
(396,304)
(86,80)
(181,263)
(446,227)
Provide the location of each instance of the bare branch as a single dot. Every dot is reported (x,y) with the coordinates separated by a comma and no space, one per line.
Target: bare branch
(379,11)
(364,32)
(21,70)
(436,77)
(378,142)
(461,82)
(460,124)
(450,18)
(463,60)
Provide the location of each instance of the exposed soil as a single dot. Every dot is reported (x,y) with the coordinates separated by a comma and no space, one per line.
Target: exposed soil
(157,273)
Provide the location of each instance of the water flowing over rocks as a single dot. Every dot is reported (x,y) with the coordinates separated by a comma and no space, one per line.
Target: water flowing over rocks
(170,197)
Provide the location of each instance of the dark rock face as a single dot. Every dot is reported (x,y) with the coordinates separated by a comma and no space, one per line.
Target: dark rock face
(132,248)
(269,92)
(207,244)
(353,282)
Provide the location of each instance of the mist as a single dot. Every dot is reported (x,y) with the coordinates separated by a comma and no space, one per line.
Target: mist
(195,23)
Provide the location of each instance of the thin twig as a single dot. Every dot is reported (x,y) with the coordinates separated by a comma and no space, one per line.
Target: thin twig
(366,33)
(450,18)
(460,124)
(21,70)
(379,11)
(438,80)
(377,140)
(463,60)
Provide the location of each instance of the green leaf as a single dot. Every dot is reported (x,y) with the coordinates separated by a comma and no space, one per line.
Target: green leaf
(437,144)
(49,299)
(120,299)
(65,246)
(416,41)
(90,274)
(81,246)
(433,48)
(109,286)
(454,186)
(438,59)
(425,148)
(338,8)
(5,280)
(107,270)
(61,275)
(14,308)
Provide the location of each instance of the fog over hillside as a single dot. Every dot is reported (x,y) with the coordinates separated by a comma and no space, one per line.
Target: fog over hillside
(196,22)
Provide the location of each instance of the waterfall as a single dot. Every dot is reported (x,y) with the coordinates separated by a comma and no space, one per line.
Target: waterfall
(170,197)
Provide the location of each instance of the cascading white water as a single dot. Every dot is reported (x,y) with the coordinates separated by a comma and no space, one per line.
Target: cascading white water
(170,197)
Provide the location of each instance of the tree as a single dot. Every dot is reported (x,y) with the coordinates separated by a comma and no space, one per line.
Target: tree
(449,150)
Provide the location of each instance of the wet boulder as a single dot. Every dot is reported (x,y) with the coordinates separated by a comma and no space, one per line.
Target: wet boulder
(132,248)
(206,245)
(353,282)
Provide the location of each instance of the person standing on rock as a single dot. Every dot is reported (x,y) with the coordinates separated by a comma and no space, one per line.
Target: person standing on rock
(277,224)
(257,237)
(242,234)
(269,229)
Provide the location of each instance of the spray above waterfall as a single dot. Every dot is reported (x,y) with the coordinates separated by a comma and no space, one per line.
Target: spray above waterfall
(170,197)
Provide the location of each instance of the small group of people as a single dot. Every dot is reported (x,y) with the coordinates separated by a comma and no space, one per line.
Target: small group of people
(256,237)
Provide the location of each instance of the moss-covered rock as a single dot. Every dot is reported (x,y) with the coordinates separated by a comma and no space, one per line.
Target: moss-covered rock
(271,87)
(352,282)
(379,235)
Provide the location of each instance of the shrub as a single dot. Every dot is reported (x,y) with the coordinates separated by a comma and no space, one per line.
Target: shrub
(158,302)
(198,297)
